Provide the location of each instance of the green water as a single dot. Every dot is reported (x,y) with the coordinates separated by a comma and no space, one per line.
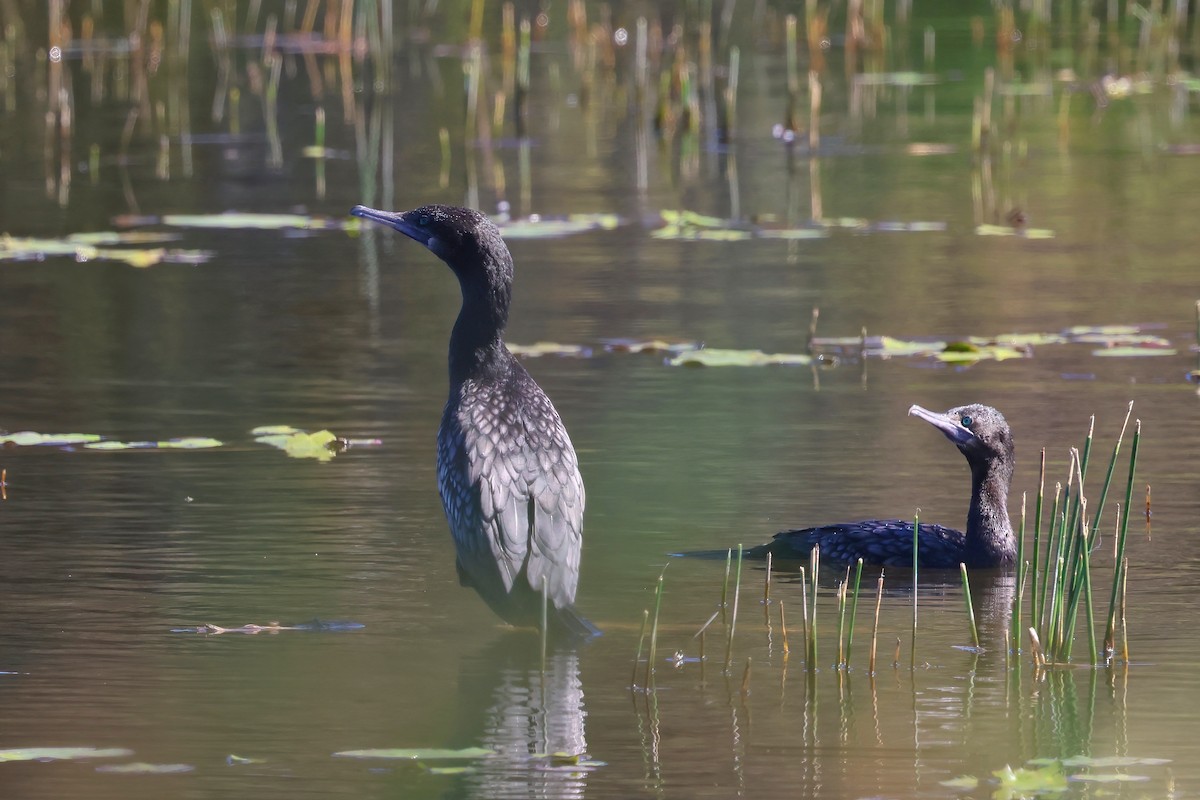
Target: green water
(102,554)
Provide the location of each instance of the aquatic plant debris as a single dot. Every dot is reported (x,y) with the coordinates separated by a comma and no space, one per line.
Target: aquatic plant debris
(316,625)
(184,443)
(689,225)
(419,753)
(230,220)
(1008,230)
(87,247)
(322,445)
(656,346)
(62,753)
(1023,781)
(33,439)
(144,768)
(961,782)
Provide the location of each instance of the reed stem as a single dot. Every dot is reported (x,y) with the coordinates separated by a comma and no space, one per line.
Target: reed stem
(737,590)
(637,660)
(650,662)
(1110,632)
(853,609)
(875,630)
(962,568)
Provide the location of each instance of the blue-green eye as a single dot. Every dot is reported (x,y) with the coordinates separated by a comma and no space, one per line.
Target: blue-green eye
(424,220)
(966,421)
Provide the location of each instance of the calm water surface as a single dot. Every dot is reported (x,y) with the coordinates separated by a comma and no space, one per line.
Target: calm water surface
(102,554)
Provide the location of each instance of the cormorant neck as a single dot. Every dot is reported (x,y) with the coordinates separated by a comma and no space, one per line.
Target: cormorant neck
(989,539)
(477,343)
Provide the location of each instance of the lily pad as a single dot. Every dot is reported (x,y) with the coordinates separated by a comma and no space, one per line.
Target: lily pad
(692,219)
(143,768)
(62,753)
(896,79)
(961,782)
(973,353)
(419,753)
(30,438)
(457,770)
(539,349)
(717,357)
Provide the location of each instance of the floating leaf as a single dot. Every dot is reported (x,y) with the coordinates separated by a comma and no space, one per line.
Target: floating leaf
(895,79)
(299,444)
(12,249)
(887,347)
(62,753)
(930,149)
(1133,352)
(536,227)
(459,770)
(184,443)
(1006,230)
(142,768)
(264,222)
(419,753)
(691,233)
(550,349)
(716,357)
(1110,777)
(101,238)
(647,346)
(692,219)
(274,430)
(235,761)
(1114,761)
(961,782)
(1022,781)
(1021,339)
(29,438)
(793,233)
(977,353)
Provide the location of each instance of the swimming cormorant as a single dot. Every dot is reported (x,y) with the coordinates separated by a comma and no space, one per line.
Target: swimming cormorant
(507,473)
(982,435)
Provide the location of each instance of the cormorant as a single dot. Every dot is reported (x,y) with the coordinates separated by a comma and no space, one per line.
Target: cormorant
(507,473)
(981,434)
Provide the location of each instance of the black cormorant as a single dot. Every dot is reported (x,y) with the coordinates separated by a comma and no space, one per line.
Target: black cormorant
(507,472)
(982,435)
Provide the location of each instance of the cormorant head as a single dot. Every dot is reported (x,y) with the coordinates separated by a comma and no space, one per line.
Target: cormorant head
(462,237)
(980,432)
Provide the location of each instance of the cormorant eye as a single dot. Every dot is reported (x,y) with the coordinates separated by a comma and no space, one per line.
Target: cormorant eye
(424,220)
(966,421)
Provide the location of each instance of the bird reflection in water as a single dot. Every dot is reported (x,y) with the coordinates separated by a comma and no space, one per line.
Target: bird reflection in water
(532,720)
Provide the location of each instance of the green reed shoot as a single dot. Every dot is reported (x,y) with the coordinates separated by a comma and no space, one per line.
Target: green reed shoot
(875,630)
(962,569)
(1041,615)
(767,583)
(1022,567)
(804,610)
(545,619)
(815,564)
(641,642)
(853,610)
(1112,463)
(1109,631)
(737,590)
(725,584)
(841,606)
(783,627)
(1036,610)
(658,593)
(916,538)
